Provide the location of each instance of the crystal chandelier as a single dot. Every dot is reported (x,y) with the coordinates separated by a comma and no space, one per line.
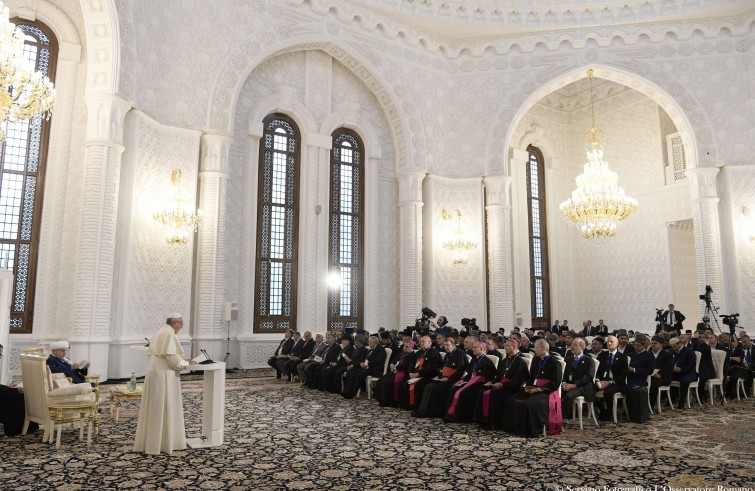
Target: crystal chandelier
(180,220)
(598,203)
(24,92)
(458,244)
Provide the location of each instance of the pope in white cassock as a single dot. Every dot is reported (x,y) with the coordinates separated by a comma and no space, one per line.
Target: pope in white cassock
(161,416)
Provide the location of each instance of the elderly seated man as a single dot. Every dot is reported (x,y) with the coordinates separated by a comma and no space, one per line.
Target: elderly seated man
(59,363)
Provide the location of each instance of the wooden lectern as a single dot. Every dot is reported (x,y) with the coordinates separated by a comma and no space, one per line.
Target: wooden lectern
(213,406)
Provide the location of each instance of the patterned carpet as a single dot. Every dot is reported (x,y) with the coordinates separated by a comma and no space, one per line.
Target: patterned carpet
(283,436)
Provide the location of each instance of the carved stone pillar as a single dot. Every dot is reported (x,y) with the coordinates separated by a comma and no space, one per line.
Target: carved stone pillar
(95,255)
(498,214)
(410,245)
(208,326)
(707,233)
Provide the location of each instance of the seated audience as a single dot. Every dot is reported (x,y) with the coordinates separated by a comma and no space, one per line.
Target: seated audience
(612,375)
(597,346)
(511,375)
(538,403)
(426,366)
(302,350)
(387,388)
(314,357)
(328,381)
(739,365)
(282,352)
(684,369)
(578,379)
(462,398)
(435,394)
(360,354)
(641,365)
(664,363)
(624,346)
(389,341)
(371,365)
(553,345)
(314,371)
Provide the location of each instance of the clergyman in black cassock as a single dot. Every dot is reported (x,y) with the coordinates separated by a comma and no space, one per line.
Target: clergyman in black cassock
(526,412)
(461,401)
(511,375)
(387,387)
(435,395)
(360,353)
(426,366)
(330,355)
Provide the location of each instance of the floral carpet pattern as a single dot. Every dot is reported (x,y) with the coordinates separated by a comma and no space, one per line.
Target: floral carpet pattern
(283,436)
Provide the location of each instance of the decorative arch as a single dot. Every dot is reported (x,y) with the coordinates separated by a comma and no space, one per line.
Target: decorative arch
(656,84)
(353,121)
(103,45)
(369,67)
(55,18)
(287,104)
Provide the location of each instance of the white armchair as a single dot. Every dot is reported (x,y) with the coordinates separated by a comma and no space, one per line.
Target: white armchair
(54,401)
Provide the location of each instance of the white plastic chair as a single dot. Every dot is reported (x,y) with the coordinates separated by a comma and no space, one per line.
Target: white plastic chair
(719,358)
(580,400)
(494,359)
(661,390)
(373,380)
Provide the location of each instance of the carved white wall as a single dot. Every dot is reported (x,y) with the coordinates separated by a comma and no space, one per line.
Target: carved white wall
(453,290)
(152,278)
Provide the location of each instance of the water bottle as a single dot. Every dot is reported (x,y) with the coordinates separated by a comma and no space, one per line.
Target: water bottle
(132,383)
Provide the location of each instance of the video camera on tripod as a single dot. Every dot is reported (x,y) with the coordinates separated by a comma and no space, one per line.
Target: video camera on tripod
(731,321)
(706,295)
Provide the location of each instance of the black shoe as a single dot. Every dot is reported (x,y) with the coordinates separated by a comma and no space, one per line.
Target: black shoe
(33,427)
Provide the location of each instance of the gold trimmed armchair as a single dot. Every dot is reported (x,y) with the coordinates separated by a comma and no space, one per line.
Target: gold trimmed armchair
(51,400)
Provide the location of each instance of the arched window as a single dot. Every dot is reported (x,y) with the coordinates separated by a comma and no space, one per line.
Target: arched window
(345,263)
(277,223)
(24,153)
(539,287)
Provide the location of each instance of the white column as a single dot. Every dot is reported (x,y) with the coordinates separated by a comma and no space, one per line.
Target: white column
(208,326)
(707,233)
(521,300)
(498,214)
(53,209)
(97,226)
(249,238)
(410,245)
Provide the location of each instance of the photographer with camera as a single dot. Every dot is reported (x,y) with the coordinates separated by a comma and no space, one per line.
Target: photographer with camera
(442,327)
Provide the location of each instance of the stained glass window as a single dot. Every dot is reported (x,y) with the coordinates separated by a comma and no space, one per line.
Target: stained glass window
(23,154)
(539,287)
(275,291)
(345,259)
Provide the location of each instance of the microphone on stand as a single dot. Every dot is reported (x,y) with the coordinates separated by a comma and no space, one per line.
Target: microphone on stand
(209,358)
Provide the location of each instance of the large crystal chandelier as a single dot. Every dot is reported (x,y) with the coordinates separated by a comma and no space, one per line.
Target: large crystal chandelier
(24,92)
(598,203)
(180,220)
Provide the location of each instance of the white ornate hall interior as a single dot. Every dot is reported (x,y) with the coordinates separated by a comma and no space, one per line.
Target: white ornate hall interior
(446,97)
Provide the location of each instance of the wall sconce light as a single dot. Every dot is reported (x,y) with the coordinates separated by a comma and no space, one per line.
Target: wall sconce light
(458,244)
(179,219)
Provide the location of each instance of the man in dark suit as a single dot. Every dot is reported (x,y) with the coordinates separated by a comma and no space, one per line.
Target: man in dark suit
(295,350)
(330,355)
(578,379)
(684,369)
(301,351)
(317,352)
(624,346)
(673,319)
(705,324)
(372,363)
(641,362)
(553,344)
(612,374)
(664,363)
(283,350)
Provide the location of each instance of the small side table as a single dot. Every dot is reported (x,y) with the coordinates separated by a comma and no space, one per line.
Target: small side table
(121,393)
